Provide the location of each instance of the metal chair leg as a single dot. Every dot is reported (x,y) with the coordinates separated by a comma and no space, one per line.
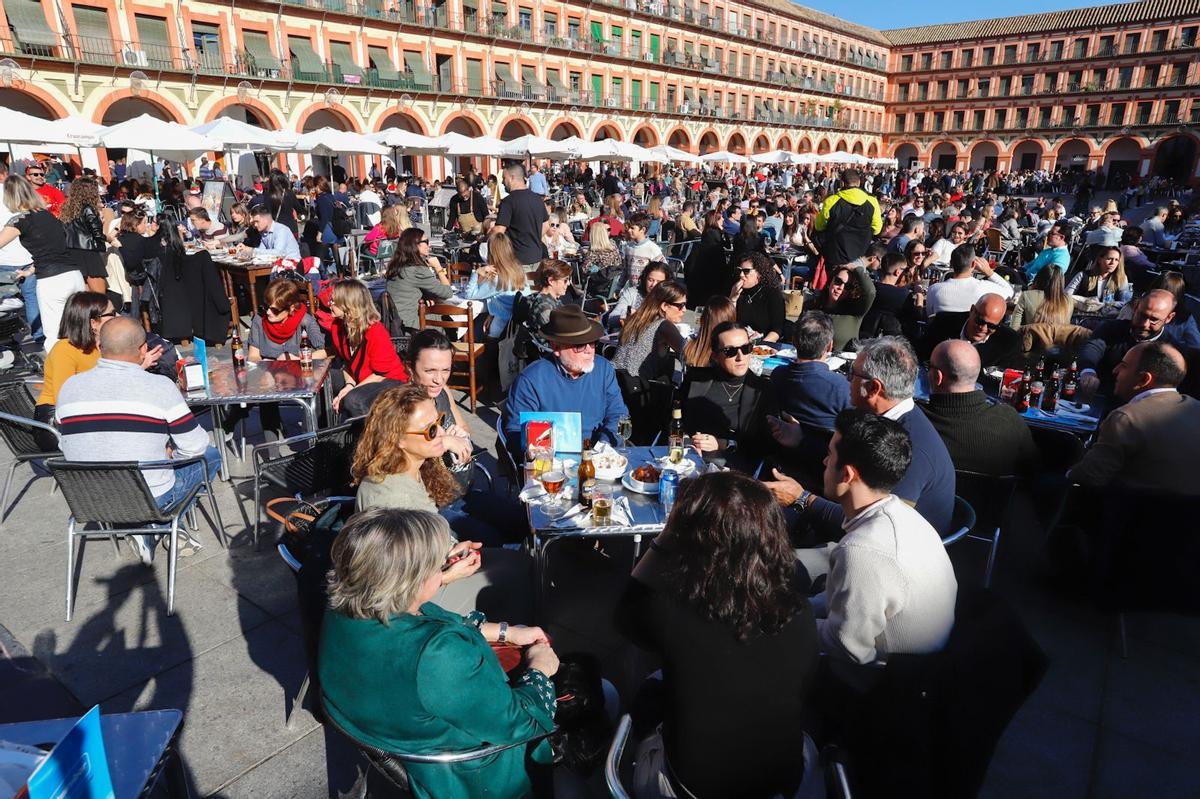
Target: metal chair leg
(298,702)
(70,565)
(219,528)
(257,508)
(172,554)
(7,485)
(991,561)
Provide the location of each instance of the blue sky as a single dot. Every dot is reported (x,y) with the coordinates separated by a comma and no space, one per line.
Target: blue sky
(880,14)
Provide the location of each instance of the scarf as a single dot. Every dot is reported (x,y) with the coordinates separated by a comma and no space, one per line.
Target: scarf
(281,332)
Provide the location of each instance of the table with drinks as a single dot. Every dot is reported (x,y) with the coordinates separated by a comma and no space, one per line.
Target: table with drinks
(1046,396)
(233,380)
(615,506)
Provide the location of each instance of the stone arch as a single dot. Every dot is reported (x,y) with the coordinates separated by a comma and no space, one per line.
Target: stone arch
(1122,158)
(124,105)
(823,147)
(607,130)
(804,145)
(466,124)
(944,155)
(784,143)
(514,127)
(564,129)
(645,136)
(841,146)
(709,143)
(905,153)
(736,143)
(1175,157)
(680,139)
(1073,154)
(324,115)
(761,144)
(253,112)
(857,148)
(1027,154)
(985,155)
(31,100)
(873,150)
(402,119)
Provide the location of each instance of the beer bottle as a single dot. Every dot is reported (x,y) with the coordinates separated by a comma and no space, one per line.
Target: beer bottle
(1039,371)
(238,352)
(306,351)
(1050,396)
(1023,394)
(1070,383)
(587,478)
(675,435)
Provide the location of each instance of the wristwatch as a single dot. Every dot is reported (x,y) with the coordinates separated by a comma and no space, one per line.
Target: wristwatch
(503,636)
(804,500)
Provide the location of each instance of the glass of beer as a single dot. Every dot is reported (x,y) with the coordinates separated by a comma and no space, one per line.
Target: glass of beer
(602,502)
(553,481)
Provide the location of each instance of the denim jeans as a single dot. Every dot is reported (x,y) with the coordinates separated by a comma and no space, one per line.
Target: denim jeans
(190,476)
(29,295)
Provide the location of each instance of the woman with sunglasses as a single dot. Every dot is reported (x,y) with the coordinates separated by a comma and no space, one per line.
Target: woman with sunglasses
(848,297)
(758,293)
(398,464)
(726,405)
(717,309)
(645,359)
(85,313)
(414,275)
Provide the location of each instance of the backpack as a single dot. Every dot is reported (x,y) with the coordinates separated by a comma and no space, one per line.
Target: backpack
(342,223)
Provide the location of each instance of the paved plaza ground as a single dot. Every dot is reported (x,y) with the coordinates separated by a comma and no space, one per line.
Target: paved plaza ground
(231,658)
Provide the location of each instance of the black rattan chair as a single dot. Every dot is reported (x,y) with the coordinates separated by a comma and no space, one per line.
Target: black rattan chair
(115,499)
(20,432)
(989,496)
(321,468)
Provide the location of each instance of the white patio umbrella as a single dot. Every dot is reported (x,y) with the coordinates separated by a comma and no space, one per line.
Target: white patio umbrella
(671,154)
(331,142)
(884,162)
(724,157)
(408,142)
(78,131)
(530,146)
(613,150)
(21,128)
(772,157)
(488,146)
(169,140)
(237,135)
(801,159)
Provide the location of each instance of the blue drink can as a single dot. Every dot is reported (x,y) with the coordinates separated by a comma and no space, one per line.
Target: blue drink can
(668,484)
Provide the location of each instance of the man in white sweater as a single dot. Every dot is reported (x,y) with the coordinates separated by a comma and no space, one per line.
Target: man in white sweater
(891,587)
(962,289)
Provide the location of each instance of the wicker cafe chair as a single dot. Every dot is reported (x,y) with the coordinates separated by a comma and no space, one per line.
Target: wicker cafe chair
(19,431)
(115,498)
(453,320)
(308,465)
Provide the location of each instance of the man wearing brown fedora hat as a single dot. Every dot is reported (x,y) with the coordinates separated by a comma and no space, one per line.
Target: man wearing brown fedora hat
(574,379)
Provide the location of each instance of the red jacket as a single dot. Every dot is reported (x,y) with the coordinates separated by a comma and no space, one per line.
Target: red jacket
(376,355)
(53,198)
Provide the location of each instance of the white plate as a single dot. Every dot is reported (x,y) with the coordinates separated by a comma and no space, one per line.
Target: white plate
(685,467)
(627,483)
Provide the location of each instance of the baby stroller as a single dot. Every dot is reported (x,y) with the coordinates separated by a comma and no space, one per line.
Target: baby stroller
(20,355)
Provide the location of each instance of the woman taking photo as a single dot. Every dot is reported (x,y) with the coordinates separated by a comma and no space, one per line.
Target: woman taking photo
(631,297)
(414,275)
(847,297)
(1046,301)
(84,315)
(43,235)
(85,232)
(698,350)
(401,673)
(370,364)
(1104,278)
(720,580)
(650,340)
(759,297)
(393,220)
(499,283)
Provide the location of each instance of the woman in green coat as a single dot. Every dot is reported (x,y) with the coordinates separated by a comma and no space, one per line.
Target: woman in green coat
(401,674)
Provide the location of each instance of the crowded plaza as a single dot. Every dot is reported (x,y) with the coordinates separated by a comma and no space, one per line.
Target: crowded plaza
(460,465)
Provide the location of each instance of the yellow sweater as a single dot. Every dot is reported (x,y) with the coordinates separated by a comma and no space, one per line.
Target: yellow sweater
(64,360)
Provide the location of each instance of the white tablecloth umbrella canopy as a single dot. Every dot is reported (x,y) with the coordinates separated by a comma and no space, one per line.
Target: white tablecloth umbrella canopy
(724,157)
(331,142)
(22,128)
(884,162)
(538,147)
(78,131)
(613,150)
(772,157)
(802,159)
(842,157)
(409,143)
(674,154)
(237,135)
(168,140)
(488,146)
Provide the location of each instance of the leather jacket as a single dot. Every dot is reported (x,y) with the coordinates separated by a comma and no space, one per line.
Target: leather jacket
(86,232)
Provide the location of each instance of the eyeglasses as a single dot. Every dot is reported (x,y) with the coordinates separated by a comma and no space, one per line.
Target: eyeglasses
(730,352)
(860,375)
(107,315)
(679,305)
(591,345)
(985,324)
(32,174)
(430,432)
(745,271)
(266,309)
(840,281)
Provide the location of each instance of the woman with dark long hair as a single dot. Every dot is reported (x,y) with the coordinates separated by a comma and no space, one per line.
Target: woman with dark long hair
(716,598)
(717,309)
(847,297)
(650,339)
(414,275)
(758,293)
(707,267)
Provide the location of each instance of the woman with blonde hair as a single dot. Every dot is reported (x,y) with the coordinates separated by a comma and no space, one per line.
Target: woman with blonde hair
(499,282)
(398,463)
(401,672)
(718,309)
(602,264)
(393,220)
(241,231)
(370,364)
(1104,279)
(44,236)
(1046,300)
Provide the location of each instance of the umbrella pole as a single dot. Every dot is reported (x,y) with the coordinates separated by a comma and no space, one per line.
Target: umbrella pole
(154,180)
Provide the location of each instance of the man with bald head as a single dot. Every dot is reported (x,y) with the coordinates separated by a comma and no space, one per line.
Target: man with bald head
(981,436)
(117,411)
(1150,442)
(983,326)
(1098,358)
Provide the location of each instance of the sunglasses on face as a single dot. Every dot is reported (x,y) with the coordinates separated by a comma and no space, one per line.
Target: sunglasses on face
(430,432)
(591,345)
(985,324)
(730,352)
(271,309)
(919,252)
(745,271)
(679,305)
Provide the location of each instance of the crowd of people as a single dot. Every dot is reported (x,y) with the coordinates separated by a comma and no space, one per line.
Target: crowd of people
(818,531)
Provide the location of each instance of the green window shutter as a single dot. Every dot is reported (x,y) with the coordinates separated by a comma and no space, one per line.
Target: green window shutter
(418,72)
(385,71)
(94,34)
(597,31)
(344,59)
(259,50)
(474,76)
(306,64)
(28,20)
(597,89)
(635,93)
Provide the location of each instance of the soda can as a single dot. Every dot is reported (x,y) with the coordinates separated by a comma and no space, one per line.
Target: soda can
(668,484)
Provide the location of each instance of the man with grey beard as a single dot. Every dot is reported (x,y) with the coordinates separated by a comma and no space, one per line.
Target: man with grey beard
(575,379)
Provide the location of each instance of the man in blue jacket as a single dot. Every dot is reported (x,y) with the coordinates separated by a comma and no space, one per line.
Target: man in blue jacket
(882,381)
(808,390)
(574,379)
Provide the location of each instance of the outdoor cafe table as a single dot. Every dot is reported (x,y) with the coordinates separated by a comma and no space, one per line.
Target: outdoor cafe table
(648,514)
(261,382)
(141,748)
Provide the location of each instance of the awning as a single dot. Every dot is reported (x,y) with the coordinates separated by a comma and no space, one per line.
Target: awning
(260,50)
(687,96)
(384,67)
(554,78)
(29,22)
(505,76)
(422,78)
(340,53)
(304,56)
(529,76)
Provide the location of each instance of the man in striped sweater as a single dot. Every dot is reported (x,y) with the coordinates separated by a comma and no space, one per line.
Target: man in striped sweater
(117,411)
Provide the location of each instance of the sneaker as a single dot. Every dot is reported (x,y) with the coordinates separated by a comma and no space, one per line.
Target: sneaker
(142,548)
(186,545)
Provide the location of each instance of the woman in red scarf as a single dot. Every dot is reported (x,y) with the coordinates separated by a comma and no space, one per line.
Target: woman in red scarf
(275,335)
(275,329)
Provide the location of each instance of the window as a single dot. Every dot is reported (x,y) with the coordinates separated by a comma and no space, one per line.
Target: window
(550,24)
(918,121)
(1056,50)
(1151,75)
(1093,116)
(1075,80)
(1187,38)
(922,91)
(900,120)
(1051,83)
(1006,86)
(1080,49)
(989,56)
(1116,114)
(906,63)
(1158,41)
(1133,42)
(958,120)
(1010,54)
(939,121)
(1022,118)
(1027,85)
(980,115)
(1108,46)
(474,76)
(206,39)
(968,56)
(575,81)
(1143,113)
(1178,74)
(573,30)
(985,85)
(1125,78)
(1068,117)
(926,60)
(903,93)
(946,58)
(1000,118)
(943,89)
(1044,115)
(154,41)
(1099,79)
(1033,52)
